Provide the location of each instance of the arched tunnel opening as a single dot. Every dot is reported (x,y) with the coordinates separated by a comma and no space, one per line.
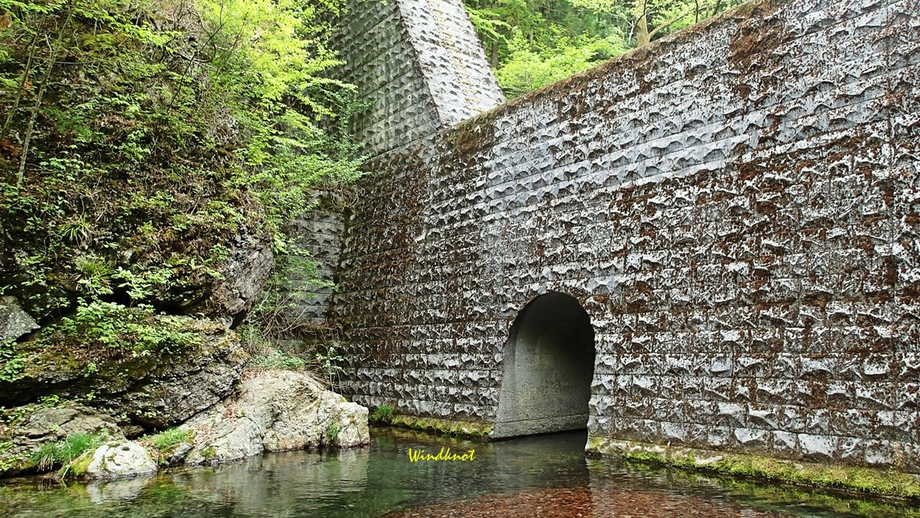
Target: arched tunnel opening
(548,368)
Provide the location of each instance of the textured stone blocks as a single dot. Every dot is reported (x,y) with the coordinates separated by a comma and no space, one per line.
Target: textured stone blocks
(735,208)
(419,65)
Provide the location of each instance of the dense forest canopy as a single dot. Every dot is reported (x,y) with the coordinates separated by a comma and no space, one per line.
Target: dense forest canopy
(531,43)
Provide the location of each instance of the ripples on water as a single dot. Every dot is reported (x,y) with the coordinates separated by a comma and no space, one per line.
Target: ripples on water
(537,476)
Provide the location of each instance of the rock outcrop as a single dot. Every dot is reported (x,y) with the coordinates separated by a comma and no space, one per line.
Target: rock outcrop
(276,411)
(154,389)
(14,322)
(228,297)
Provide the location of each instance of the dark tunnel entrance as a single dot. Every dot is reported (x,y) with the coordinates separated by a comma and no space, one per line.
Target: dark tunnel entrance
(548,368)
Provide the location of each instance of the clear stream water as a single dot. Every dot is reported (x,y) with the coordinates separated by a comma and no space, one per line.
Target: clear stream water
(377,480)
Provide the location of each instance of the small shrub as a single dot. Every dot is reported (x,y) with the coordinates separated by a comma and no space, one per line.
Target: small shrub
(170,438)
(278,360)
(332,433)
(330,363)
(382,414)
(61,453)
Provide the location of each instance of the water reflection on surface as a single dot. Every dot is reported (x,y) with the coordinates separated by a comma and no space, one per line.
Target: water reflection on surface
(537,476)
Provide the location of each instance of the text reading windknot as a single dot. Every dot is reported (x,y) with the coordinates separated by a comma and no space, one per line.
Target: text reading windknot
(444,455)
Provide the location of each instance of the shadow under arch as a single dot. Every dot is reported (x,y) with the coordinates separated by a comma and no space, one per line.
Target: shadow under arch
(548,368)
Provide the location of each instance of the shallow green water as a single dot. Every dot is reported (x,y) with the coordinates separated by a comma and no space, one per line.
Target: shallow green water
(373,481)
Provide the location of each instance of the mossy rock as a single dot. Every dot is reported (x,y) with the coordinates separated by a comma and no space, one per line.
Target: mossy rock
(153,387)
(26,430)
(170,447)
(79,466)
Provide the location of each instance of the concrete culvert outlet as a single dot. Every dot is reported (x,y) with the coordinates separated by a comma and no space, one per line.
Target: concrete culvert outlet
(548,368)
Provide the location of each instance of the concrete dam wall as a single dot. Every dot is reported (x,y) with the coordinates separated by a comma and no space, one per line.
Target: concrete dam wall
(709,242)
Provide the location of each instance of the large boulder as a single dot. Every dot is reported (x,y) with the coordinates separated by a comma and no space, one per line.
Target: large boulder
(153,388)
(120,460)
(276,411)
(24,430)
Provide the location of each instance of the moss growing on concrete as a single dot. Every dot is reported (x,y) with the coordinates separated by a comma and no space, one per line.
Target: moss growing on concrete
(444,426)
(850,478)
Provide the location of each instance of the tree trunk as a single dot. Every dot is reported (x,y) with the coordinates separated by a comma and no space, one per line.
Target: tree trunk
(53,50)
(642,35)
(22,82)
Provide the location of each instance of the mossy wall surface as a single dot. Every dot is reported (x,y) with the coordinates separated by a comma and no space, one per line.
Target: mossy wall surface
(736,208)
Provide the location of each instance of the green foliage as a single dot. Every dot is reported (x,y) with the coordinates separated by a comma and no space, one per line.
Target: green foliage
(331,433)
(270,54)
(7,461)
(531,43)
(208,452)
(529,68)
(11,363)
(138,331)
(138,139)
(61,453)
(166,443)
(278,360)
(382,414)
(330,361)
(541,23)
(668,15)
(169,438)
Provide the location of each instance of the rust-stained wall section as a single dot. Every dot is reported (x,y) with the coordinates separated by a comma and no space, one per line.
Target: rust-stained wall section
(736,208)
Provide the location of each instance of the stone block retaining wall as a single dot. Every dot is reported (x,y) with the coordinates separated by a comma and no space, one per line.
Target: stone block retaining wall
(736,207)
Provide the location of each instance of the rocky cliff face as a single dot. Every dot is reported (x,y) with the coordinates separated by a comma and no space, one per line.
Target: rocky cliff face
(154,387)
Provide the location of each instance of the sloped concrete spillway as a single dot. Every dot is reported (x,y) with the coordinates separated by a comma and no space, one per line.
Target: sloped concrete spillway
(548,368)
